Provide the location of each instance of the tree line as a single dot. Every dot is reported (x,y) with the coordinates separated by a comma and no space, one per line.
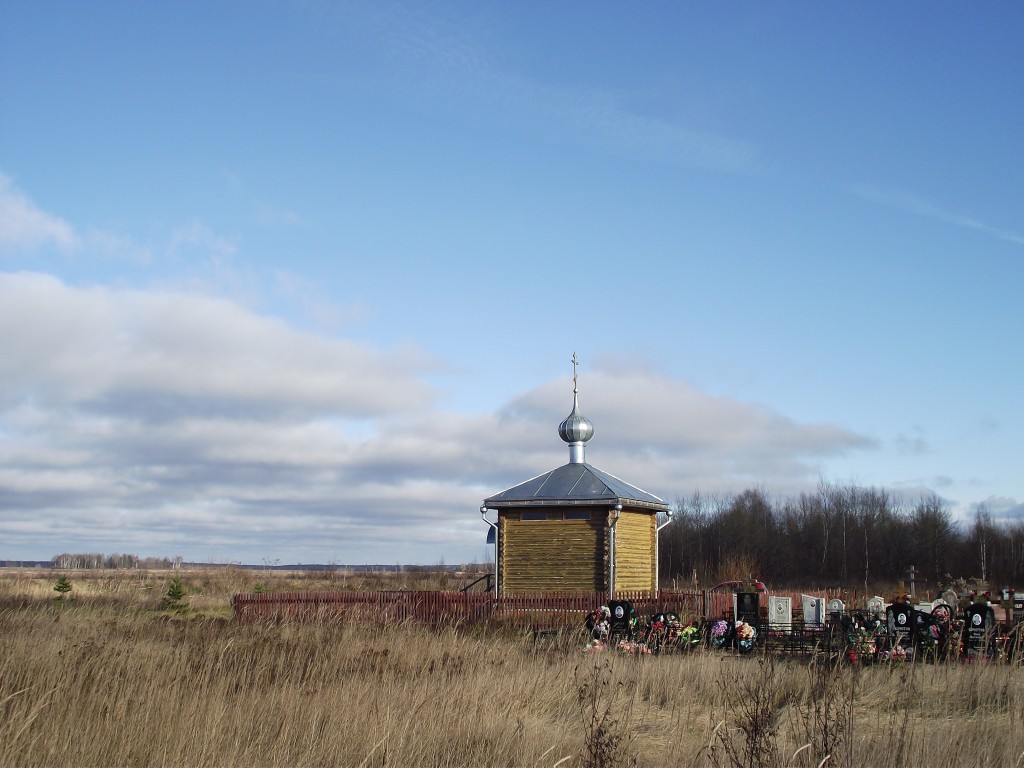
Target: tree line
(842,536)
(97,560)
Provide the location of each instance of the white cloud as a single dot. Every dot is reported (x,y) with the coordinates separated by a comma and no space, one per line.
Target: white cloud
(669,437)
(173,350)
(166,422)
(24,225)
(1004,509)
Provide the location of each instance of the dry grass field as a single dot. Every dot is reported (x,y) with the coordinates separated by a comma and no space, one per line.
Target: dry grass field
(111,677)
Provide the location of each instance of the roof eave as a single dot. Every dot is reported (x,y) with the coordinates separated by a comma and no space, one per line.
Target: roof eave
(601,502)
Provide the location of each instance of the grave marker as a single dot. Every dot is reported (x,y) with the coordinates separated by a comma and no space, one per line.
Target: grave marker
(746,606)
(979,625)
(836,608)
(899,620)
(814,610)
(911,573)
(780,613)
(876,606)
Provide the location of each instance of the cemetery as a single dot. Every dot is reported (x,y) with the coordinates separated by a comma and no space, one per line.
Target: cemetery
(744,617)
(740,617)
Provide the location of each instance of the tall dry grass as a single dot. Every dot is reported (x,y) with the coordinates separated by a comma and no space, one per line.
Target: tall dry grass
(110,678)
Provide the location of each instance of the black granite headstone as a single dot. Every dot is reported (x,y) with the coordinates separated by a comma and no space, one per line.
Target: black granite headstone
(899,619)
(748,607)
(979,624)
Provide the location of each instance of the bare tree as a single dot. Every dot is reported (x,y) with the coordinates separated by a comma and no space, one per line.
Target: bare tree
(981,536)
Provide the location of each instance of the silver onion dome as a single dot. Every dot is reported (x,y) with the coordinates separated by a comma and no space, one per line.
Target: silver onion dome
(576,428)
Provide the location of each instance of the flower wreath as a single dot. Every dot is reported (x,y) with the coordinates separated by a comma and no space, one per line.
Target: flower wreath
(745,631)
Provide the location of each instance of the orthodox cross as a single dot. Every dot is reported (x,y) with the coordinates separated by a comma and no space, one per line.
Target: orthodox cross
(913,573)
(574,364)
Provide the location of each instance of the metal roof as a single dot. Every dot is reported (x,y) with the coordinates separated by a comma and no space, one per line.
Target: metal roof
(575,483)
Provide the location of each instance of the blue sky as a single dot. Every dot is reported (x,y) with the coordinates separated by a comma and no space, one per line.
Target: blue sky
(302,281)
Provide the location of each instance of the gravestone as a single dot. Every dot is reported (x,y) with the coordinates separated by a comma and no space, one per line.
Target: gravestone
(899,621)
(836,609)
(951,597)
(979,628)
(623,618)
(780,613)
(836,624)
(746,607)
(1016,644)
(814,610)
(876,606)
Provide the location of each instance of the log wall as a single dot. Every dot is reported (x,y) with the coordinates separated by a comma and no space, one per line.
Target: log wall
(634,551)
(554,554)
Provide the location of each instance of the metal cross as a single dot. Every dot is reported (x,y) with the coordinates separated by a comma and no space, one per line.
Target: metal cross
(574,364)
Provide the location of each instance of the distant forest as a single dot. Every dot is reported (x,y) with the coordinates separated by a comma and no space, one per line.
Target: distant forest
(838,536)
(116,560)
(97,560)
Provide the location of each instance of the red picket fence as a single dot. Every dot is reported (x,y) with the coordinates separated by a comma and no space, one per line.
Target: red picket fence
(535,611)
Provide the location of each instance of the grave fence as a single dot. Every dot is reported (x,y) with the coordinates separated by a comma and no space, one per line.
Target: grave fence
(537,611)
